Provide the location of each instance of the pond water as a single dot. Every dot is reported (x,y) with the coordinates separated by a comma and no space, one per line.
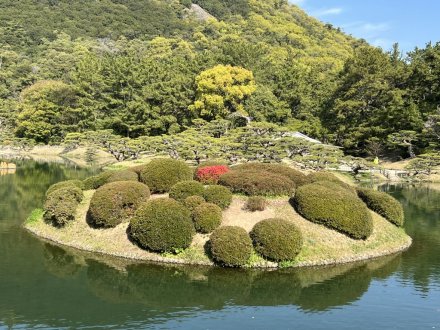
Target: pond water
(45,286)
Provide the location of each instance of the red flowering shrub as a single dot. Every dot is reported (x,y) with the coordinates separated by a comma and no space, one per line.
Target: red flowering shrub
(211,174)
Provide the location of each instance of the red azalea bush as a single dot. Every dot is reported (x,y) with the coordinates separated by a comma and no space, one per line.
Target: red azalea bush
(211,174)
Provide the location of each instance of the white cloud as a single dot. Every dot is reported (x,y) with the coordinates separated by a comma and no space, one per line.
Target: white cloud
(327,12)
(383,43)
(297,2)
(367,29)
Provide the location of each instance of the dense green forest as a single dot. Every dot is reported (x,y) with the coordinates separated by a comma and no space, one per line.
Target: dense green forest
(155,68)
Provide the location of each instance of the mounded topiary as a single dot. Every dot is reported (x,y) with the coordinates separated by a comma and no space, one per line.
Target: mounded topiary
(255,203)
(335,207)
(328,177)
(207,217)
(192,202)
(60,205)
(296,176)
(161,174)
(277,239)
(64,184)
(96,181)
(122,175)
(162,225)
(184,189)
(116,202)
(218,195)
(231,246)
(383,204)
(254,183)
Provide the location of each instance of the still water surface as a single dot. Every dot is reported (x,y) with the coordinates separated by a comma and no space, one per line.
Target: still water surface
(44,286)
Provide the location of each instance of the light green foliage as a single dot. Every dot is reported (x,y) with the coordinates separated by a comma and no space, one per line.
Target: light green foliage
(222,90)
(207,217)
(383,204)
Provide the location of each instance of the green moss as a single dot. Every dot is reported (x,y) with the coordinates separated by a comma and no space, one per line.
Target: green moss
(161,174)
(277,239)
(162,225)
(231,246)
(335,207)
(383,204)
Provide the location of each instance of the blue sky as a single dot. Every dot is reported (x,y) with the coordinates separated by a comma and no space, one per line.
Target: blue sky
(381,22)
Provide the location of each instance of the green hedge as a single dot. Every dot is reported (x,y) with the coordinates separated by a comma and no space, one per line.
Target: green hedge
(277,239)
(65,184)
(335,207)
(231,246)
(207,217)
(383,204)
(116,202)
(96,181)
(192,202)
(218,195)
(328,177)
(184,189)
(296,176)
(122,175)
(255,203)
(60,205)
(161,174)
(162,225)
(254,183)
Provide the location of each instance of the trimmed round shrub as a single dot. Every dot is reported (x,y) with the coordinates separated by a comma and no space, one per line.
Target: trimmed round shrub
(255,203)
(328,177)
(231,246)
(277,239)
(334,207)
(162,225)
(65,184)
(211,174)
(218,195)
(60,205)
(96,181)
(192,202)
(383,204)
(296,176)
(207,217)
(122,175)
(161,174)
(184,189)
(254,183)
(116,202)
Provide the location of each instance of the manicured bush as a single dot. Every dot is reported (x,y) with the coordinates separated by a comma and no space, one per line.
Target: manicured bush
(231,246)
(254,183)
(60,205)
(277,239)
(218,195)
(328,177)
(122,175)
(96,181)
(211,174)
(335,207)
(192,202)
(161,174)
(255,203)
(64,184)
(207,217)
(383,204)
(116,202)
(296,176)
(162,225)
(184,189)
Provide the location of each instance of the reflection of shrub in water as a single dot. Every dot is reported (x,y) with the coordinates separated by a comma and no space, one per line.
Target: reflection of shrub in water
(59,262)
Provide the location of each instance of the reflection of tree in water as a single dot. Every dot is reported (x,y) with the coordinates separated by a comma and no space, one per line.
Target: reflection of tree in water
(421,263)
(59,262)
(168,287)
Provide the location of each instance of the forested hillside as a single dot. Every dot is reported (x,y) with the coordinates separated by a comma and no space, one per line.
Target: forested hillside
(150,67)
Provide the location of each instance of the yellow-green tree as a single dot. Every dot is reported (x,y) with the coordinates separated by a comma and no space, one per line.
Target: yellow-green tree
(222,90)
